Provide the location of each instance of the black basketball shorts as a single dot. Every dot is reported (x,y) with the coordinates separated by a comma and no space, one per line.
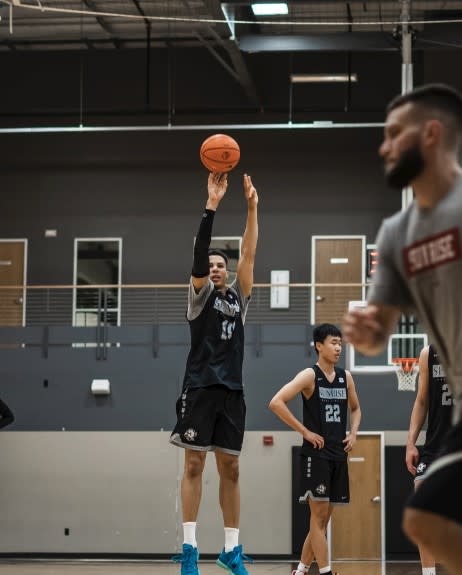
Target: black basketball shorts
(425,460)
(210,418)
(324,480)
(440,491)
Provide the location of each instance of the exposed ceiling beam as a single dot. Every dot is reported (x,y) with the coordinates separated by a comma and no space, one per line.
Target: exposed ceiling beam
(104,25)
(217,56)
(156,42)
(141,12)
(241,71)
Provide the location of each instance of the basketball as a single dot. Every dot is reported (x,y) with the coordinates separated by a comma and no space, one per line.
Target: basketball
(220,153)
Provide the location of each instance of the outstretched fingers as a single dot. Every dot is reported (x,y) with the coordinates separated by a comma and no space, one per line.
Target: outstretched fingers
(249,189)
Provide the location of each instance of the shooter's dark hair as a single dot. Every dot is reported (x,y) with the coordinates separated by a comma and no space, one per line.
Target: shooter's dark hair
(217,252)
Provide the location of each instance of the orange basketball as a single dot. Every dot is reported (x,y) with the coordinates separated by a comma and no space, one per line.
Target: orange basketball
(220,153)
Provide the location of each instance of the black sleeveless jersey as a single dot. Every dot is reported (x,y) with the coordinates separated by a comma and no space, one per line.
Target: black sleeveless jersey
(325,413)
(217,340)
(439,406)
(6,415)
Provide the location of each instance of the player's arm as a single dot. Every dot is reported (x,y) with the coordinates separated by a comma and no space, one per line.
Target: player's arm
(419,413)
(368,329)
(249,239)
(355,413)
(217,184)
(6,415)
(303,382)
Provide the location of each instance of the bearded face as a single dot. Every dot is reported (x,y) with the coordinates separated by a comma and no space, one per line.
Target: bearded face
(408,166)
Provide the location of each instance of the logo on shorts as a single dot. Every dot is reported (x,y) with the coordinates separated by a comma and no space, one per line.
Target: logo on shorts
(190,434)
(421,468)
(321,489)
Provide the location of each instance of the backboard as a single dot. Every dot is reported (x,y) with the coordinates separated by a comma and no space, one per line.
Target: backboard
(408,341)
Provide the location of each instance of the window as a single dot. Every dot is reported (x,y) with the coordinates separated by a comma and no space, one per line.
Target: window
(97,262)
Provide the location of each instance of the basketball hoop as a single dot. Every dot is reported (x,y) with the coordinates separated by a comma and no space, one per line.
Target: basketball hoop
(407,369)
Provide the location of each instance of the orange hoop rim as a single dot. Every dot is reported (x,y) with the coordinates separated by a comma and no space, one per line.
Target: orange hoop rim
(406,363)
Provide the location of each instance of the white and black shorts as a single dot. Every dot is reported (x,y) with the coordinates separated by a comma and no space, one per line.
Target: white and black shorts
(324,480)
(210,418)
(425,460)
(440,491)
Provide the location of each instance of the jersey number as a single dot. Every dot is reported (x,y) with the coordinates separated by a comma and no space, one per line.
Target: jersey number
(333,413)
(227,328)
(446,398)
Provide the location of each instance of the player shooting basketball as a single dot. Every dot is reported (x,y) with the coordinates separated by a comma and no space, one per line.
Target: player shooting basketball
(211,408)
(420,270)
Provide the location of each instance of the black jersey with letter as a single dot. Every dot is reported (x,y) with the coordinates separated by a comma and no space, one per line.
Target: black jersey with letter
(439,406)
(216,323)
(325,413)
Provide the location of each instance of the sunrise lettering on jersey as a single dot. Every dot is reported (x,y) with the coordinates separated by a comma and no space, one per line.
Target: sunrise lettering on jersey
(226,308)
(432,252)
(438,371)
(332,393)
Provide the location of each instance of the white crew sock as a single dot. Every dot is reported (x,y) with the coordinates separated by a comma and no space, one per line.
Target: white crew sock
(189,533)
(428,571)
(231,538)
(326,569)
(302,569)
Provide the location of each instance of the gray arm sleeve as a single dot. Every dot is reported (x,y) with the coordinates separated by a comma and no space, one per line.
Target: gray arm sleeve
(389,286)
(196,301)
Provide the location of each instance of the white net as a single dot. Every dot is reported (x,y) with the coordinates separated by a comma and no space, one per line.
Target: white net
(407,370)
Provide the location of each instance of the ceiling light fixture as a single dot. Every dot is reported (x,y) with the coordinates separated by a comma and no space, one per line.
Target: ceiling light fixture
(270,9)
(320,78)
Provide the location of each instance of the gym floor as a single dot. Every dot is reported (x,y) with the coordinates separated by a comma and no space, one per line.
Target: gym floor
(91,567)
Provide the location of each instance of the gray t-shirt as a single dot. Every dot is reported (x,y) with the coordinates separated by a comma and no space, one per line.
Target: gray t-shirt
(420,271)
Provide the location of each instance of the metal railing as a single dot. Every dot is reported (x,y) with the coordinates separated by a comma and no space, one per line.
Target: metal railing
(70,305)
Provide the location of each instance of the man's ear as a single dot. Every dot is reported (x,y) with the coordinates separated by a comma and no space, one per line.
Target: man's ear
(432,132)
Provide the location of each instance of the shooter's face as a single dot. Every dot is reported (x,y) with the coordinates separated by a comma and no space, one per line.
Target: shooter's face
(218,271)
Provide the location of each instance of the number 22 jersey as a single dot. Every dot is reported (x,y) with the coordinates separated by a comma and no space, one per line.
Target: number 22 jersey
(325,413)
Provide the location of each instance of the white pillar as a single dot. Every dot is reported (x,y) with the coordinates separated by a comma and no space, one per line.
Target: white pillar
(407,78)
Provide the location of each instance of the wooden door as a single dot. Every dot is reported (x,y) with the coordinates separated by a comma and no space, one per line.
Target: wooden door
(356,528)
(337,261)
(11,274)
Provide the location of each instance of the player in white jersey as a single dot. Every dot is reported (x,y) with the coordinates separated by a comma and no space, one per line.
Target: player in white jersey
(420,271)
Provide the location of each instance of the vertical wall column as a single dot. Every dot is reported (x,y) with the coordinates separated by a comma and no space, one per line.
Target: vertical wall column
(407,78)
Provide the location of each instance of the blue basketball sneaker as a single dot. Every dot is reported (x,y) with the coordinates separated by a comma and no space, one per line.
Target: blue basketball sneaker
(188,560)
(233,561)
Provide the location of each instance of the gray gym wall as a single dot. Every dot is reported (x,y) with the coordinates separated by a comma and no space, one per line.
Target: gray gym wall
(150,188)
(110,476)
